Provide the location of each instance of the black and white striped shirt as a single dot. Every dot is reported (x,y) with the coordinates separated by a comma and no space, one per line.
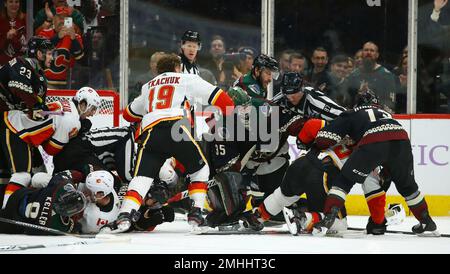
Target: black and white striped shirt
(188,67)
(314,104)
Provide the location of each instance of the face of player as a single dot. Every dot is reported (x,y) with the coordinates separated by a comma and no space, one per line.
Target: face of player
(84,112)
(190,50)
(295,98)
(264,76)
(46,58)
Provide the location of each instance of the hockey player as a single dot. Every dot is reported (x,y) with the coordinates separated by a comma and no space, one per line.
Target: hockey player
(104,203)
(53,206)
(50,131)
(381,141)
(160,108)
(22,88)
(191,44)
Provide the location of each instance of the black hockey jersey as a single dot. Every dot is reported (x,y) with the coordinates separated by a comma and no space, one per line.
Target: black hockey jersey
(364,125)
(36,206)
(22,85)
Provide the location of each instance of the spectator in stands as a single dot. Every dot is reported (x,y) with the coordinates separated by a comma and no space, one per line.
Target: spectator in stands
(358,58)
(401,72)
(283,61)
(216,50)
(246,61)
(317,75)
(147,76)
(371,76)
(297,62)
(13,31)
(68,48)
(90,9)
(350,66)
(441,12)
(44,17)
(337,74)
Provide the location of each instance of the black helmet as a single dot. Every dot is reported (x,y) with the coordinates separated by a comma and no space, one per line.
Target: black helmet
(70,202)
(367,98)
(38,43)
(291,82)
(264,61)
(192,36)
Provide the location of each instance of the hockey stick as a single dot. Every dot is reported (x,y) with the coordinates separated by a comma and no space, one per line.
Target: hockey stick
(51,112)
(43,228)
(394,232)
(99,239)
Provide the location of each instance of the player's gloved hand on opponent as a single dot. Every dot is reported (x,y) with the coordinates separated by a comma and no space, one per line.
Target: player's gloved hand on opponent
(123,222)
(376,229)
(37,113)
(301,145)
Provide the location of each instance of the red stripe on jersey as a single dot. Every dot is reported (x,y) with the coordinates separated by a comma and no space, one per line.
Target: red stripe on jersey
(196,187)
(133,195)
(39,136)
(384,136)
(179,166)
(12,187)
(224,102)
(310,130)
(130,117)
(51,148)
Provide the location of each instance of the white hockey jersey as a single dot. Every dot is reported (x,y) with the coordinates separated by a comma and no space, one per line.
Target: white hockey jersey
(162,99)
(94,218)
(52,133)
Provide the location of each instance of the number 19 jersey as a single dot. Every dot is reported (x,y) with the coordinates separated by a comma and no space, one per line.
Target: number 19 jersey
(162,99)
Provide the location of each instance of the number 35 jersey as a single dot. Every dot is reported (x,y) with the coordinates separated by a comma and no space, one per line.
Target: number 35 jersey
(162,99)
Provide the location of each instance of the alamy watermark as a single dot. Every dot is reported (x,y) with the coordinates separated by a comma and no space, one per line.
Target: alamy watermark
(247,124)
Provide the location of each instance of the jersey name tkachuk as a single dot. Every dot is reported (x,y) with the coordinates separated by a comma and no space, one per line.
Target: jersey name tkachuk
(162,99)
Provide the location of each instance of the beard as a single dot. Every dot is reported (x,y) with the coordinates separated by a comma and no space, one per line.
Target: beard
(368,64)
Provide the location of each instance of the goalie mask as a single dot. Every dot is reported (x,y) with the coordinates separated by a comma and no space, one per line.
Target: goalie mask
(90,97)
(100,183)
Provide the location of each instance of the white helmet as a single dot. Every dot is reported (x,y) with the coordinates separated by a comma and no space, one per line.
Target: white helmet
(90,96)
(100,181)
(167,174)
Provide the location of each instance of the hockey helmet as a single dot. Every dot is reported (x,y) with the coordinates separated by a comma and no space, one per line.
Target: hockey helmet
(367,98)
(192,36)
(265,61)
(100,181)
(291,83)
(88,95)
(38,43)
(167,173)
(70,203)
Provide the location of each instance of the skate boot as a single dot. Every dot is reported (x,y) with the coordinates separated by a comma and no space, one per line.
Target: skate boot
(196,220)
(376,229)
(252,220)
(321,228)
(426,228)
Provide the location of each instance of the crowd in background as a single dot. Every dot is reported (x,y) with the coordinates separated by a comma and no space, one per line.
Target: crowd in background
(88,49)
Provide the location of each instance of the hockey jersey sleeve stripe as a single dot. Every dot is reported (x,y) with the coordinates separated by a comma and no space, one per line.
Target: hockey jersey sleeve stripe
(37,135)
(130,116)
(220,99)
(51,148)
(134,196)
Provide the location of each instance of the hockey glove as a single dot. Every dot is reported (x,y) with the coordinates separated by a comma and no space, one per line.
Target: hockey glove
(123,222)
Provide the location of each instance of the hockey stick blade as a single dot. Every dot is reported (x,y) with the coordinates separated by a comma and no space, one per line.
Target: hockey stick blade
(399,232)
(43,228)
(99,239)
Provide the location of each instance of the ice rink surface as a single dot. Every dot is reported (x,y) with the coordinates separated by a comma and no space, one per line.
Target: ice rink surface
(173,238)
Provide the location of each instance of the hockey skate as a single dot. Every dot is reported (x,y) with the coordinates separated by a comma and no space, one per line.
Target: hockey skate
(250,220)
(197,222)
(427,228)
(299,222)
(321,228)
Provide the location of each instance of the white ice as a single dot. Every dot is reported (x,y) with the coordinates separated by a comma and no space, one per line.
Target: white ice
(173,238)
